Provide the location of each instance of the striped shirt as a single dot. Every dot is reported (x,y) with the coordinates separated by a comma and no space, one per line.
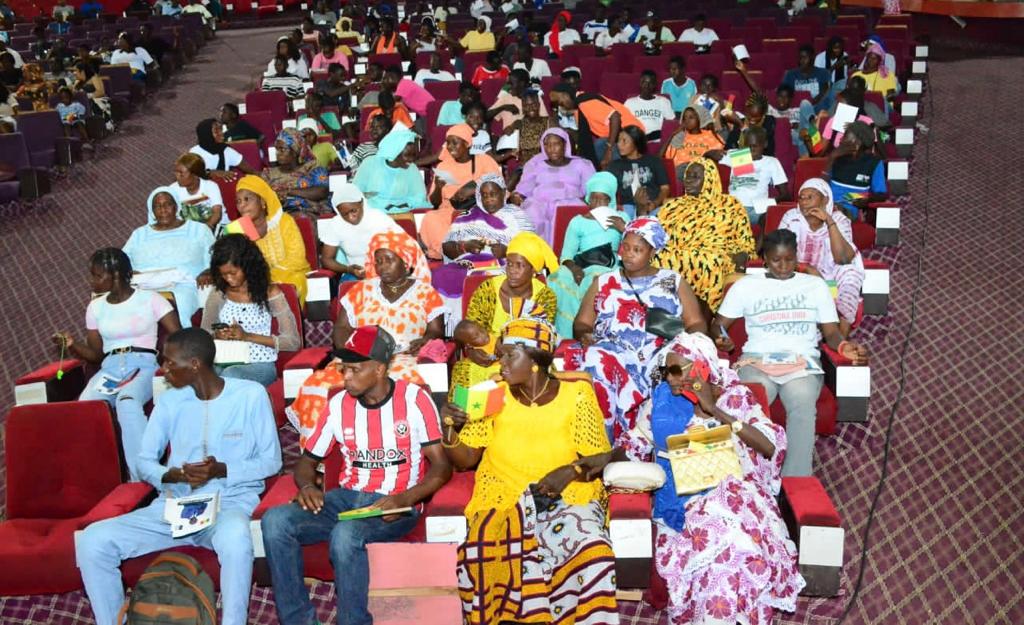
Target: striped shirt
(381,443)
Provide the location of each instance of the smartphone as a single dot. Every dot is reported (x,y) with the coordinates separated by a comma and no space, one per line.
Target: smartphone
(219,326)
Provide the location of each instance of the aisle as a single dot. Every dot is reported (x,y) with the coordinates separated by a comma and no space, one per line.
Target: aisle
(44,254)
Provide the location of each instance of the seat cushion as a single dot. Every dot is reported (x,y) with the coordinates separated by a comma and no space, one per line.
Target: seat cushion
(809,502)
(37,556)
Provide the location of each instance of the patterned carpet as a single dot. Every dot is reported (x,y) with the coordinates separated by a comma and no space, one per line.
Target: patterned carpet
(945,547)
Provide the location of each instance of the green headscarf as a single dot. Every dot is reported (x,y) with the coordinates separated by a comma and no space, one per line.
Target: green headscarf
(603,182)
(394,142)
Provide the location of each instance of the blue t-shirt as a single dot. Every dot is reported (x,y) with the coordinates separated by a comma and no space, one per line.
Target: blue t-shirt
(815,83)
(680,95)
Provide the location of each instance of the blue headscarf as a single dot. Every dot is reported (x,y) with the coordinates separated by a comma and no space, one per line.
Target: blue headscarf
(394,142)
(603,182)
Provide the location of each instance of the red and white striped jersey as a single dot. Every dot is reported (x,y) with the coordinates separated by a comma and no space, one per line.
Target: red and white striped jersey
(381,444)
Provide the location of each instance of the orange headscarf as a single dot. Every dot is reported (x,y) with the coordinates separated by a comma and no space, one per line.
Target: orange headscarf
(403,246)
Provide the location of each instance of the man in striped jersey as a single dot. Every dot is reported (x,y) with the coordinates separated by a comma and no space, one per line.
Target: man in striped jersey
(383,428)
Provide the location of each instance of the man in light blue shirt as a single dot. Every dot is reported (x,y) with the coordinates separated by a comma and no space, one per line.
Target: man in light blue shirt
(223,439)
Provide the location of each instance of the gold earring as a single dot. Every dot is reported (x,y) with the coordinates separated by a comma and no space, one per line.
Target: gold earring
(535,368)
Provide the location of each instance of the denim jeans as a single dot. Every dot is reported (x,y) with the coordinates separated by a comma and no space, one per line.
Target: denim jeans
(800,398)
(263,372)
(287,528)
(128,402)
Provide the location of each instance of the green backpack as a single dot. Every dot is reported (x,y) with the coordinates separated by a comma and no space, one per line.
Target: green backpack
(174,590)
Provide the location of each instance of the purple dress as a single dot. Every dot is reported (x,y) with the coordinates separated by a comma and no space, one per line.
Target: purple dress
(545,187)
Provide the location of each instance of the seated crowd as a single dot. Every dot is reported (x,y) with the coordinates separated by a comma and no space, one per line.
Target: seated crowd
(452,226)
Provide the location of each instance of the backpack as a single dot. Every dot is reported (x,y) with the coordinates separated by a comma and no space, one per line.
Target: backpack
(174,590)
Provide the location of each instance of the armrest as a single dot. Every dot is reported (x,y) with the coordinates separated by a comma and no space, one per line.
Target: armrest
(49,371)
(629,505)
(280,490)
(124,498)
(809,502)
(834,357)
(309,358)
(322,273)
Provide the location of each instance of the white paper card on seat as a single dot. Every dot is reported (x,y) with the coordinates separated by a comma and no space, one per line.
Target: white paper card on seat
(435,375)
(845,114)
(289,123)
(908,109)
(904,136)
(241,108)
(821,546)
(299,104)
(255,5)
(887,217)
(304,6)
(740,52)
(921,52)
(256,531)
(631,538)
(318,289)
(335,181)
(355,100)
(280,9)
(761,204)
(446,529)
(272,154)
(292,380)
(914,87)
(898,170)
(360,69)
(307,85)
(31,393)
(875,281)
(231,7)
(853,381)
(919,67)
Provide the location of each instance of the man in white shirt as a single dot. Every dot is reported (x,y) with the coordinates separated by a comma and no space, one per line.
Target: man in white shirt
(699,35)
(350,231)
(538,68)
(653,30)
(135,57)
(651,109)
(434,73)
(597,25)
(615,34)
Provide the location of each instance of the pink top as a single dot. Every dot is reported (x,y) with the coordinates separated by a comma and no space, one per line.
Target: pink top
(837,139)
(415,97)
(321,62)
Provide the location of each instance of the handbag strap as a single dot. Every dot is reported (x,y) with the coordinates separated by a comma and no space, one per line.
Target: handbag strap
(633,289)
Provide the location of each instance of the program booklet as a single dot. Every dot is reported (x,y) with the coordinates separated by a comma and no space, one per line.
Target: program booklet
(188,515)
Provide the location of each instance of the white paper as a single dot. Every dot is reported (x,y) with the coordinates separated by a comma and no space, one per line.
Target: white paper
(740,52)
(845,114)
(355,100)
(914,87)
(445,176)
(272,154)
(241,108)
(904,136)
(512,24)
(307,85)
(188,515)
(601,215)
(508,142)
(255,5)
(921,52)
(761,204)
(360,69)
(898,170)
(231,7)
(919,67)
(335,181)
(405,66)
(231,352)
(289,123)
(318,289)
(204,294)
(299,104)
(908,109)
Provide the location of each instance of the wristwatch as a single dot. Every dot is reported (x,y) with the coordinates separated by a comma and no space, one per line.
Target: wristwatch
(737,425)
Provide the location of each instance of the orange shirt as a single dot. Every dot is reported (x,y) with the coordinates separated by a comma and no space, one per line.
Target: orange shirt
(399,114)
(693,146)
(598,112)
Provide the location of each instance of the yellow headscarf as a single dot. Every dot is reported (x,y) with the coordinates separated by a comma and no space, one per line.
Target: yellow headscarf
(259,186)
(535,250)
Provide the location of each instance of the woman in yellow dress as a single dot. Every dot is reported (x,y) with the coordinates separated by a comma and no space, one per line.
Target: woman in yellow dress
(538,549)
(515,293)
(280,239)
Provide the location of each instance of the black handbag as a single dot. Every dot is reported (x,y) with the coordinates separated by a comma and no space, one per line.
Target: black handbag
(600,256)
(659,321)
(468,203)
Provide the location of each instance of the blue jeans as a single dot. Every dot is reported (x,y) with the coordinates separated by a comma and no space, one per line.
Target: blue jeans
(102,547)
(128,401)
(601,144)
(263,372)
(287,528)
(800,398)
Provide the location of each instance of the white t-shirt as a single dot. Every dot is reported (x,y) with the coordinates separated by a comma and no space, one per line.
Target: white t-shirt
(133,322)
(295,68)
(646,34)
(651,113)
(354,240)
(232,157)
(593,27)
(567,37)
(768,172)
(702,38)
(137,59)
(208,194)
(605,39)
(424,76)
(781,315)
(481,142)
(540,69)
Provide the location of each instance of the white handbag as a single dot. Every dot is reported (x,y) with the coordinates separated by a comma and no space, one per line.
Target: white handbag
(643,476)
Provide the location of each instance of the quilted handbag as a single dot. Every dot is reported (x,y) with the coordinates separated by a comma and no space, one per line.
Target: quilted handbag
(701,458)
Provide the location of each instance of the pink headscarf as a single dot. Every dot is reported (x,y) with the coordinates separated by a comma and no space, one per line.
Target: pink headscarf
(876,48)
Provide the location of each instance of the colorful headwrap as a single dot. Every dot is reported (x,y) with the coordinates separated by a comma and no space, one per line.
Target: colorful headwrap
(529,332)
(603,182)
(535,250)
(876,48)
(403,246)
(649,229)
(394,142)
(259,186)
(462,131)
(292,137)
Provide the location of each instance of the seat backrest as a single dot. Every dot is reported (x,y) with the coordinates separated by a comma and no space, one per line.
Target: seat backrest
(443,91)
(309,239)
(120,77)
(473,280)
(807,168)
(276,102)
(15,152)
(41,130)
(292,297)
(563,215)
(619,86)
(263,121)
(250,152)
(62,458)
(407,222)
(489,90)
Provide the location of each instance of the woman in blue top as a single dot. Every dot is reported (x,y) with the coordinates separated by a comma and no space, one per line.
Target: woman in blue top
(390,180)
(170,253)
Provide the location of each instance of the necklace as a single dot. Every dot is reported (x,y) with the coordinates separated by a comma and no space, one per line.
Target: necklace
(533,400)
(395,289)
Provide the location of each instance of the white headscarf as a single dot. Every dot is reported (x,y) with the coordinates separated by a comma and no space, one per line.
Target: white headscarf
(823,188)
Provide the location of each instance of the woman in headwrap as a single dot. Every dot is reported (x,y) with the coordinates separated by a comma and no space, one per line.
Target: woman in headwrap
(299,182)
(343,30)
(513,295)
(552,178)
(455,182)
(34,87)
(537,549)
(876,75)
(169,253)
(389,179)
(693,139)
(825,242)
(478,240)
(219,157)
(724,553)
(396,295)
(279,236)
(615,344)
(590,249)
(561,35)
(709,233)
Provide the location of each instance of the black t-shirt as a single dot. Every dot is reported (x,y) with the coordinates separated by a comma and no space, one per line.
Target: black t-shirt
(241,131)
(854,171)
(648,171)
(733,140)
(156,48)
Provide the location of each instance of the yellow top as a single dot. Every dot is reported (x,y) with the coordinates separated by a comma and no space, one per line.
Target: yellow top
(876,82)
(474,41)
(523,444)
